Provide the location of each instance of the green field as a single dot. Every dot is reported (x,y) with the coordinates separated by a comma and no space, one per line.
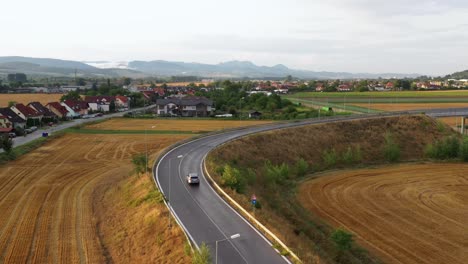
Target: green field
(405,94)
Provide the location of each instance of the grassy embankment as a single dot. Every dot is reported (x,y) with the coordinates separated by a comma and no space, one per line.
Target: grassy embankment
(272,165)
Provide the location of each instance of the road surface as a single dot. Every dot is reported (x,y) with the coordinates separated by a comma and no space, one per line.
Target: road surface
(203,213)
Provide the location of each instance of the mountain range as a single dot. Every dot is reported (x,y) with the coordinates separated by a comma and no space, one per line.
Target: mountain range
(139,69)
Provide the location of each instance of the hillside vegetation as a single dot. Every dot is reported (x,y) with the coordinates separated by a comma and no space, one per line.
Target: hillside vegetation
(270,165)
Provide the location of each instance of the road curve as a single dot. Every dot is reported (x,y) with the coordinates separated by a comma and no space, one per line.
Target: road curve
(203,214)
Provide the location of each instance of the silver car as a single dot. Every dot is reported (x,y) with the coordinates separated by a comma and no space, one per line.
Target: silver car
(192,178)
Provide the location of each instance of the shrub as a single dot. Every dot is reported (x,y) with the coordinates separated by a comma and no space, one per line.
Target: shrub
(342,239)
(202,256)
(464,150)
(330,158)
(232,178)
(301,167)
(391,149)
(276,174)
(348,156)
(447,148)
(139,161)
(6,143)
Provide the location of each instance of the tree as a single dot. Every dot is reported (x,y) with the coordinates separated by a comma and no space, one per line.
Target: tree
(342,239)
(289,78)
(112,106)
(127,81)
(72,95)
(11,103)
(6,143)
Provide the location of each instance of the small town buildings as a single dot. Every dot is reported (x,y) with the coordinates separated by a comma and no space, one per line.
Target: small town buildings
(122,102)
(46,113)
(13,118)
(344,88)
(70,112)
(27,113)
(100,103)
(58,109)
(189,106)
(79,107)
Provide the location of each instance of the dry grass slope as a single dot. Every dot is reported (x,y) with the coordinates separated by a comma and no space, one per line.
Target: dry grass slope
(305,232)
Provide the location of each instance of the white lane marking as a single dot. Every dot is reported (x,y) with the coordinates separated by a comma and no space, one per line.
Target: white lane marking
(199,206)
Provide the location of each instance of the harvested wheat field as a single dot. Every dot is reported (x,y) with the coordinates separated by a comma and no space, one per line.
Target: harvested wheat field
(192,125)
(411,106)
(68,202)
(27,98)
(412,213)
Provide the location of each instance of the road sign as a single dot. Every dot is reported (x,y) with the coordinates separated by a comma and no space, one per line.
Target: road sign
(253,199)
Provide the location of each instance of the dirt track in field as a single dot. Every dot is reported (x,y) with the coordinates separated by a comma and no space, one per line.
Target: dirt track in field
(404,214)
(411,106)
(192,125)
(27,98)
(48,200)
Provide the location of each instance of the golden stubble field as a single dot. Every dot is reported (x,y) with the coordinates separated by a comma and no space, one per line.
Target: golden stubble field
(51,203)
(27,98)
(412,213)
(192,125)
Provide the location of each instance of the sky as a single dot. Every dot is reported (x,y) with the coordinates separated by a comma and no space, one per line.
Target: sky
(374,36)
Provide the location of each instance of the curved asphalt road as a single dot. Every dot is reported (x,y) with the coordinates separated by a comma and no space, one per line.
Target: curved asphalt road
(204,215)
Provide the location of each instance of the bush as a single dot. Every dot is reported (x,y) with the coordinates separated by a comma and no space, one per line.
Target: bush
(276,174)
(329,158)
(6,143)
(448,148)
(301,167)
(391,149)
(202,256)
(464,150)
(232,178)
(139,160)
(342,239)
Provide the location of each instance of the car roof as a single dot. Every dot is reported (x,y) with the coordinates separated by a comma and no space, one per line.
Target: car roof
(193,174)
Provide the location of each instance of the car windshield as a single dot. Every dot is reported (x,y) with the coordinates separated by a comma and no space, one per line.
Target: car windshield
(194,177)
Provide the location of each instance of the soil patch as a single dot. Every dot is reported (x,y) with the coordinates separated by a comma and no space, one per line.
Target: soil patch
(412,213)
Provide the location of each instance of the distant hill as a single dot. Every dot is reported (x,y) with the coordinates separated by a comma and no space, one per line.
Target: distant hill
(54,67)
(244,69)
(458,75)
(140,69)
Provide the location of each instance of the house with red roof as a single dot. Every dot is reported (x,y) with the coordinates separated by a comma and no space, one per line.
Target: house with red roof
(122,102)
(100,103)
(390,86)
(320,87)
(79,107)
(46,113)
(344,88)
(27,113)
(58,109)
(160,91)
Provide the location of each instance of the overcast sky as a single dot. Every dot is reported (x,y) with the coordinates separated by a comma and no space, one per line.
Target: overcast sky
(376,36)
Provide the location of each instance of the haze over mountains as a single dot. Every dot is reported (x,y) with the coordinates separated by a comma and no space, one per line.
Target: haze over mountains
(136,69)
